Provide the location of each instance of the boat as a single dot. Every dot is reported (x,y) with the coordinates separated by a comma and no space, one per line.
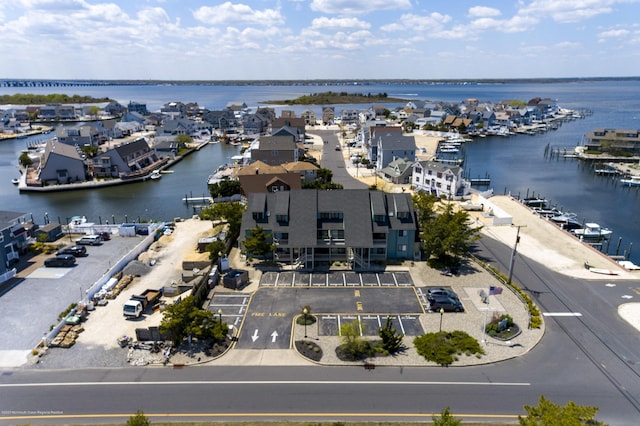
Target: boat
(15,181)
(535,202)
(631,181)
(155,175)
(566,221)
(592,230)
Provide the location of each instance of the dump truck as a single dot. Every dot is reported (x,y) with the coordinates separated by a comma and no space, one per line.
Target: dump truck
(139,303)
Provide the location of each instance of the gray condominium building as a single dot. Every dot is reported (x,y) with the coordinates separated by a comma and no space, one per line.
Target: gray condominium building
(312,229)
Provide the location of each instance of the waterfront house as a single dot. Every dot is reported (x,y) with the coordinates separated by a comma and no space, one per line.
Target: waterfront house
(79,135)
(390,145)
(137,107)
(133,159)
(608,140)
(255,124)
(328,115)
(133,117)
(61,163)
(174,110)
(309,117)
(13,241)
(312,228)
(275,150)
(438,179)
(114,108)
(222,120)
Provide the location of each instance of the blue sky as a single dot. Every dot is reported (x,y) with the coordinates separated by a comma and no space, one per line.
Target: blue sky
(318,39)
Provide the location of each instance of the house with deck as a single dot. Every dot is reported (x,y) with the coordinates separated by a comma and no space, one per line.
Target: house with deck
(313,229)
(61,163)
(13,242)
(439,179)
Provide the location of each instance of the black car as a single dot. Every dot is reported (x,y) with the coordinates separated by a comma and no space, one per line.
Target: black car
(105,236)
(446,303)
(441,291)
(76,251)
(63,260)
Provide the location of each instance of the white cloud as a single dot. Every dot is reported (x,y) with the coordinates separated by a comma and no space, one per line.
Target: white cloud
(483,11)
(324,22)
(357,7)
(569,11)
(230,13)
(431,23)
(614,33)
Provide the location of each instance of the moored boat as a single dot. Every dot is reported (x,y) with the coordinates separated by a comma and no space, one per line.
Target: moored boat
(15,181)
(631,181)
(155,175)
(592,230)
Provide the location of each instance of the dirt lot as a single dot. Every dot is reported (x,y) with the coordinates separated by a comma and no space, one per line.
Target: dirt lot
(106,324)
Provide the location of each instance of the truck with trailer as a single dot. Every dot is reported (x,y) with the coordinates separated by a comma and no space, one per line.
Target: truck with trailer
(139,303)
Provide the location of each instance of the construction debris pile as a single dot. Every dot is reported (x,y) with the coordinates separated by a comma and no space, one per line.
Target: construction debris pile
(67,336)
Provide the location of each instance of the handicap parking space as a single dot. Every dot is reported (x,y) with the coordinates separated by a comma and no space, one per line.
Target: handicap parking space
(335,279)
(403,278)
(302,279)
(285,279)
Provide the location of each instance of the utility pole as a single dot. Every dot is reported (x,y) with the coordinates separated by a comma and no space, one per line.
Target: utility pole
(513,253)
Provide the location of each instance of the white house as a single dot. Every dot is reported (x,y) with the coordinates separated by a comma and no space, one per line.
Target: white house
(438,179)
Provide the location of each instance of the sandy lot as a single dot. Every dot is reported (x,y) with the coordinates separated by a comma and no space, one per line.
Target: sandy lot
(106,324)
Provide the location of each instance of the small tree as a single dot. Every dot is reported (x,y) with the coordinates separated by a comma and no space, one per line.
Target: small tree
(176,319)
(25,160)
(391,340)
(225,188)
(258,243)
(353,346)
(548,413)
(138,419)
(93,110)
(445,419)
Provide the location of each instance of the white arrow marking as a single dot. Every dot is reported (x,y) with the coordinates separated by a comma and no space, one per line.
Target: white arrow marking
(274,336)
(610,285)
(626,296)
(255,335)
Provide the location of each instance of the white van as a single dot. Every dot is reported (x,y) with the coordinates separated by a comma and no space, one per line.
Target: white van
(89,240)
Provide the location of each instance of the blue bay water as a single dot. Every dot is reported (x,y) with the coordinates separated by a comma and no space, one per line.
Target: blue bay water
(515,164)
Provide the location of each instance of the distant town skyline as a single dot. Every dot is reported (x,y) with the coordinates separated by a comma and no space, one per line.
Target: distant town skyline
(318,39)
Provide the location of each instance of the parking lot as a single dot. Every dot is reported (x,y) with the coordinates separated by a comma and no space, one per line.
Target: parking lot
(335,298)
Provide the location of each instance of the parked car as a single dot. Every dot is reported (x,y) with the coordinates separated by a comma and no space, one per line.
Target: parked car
(75,251)
(338,148)
(105,236)
(89,240)
(446,303)
(63,260)
(441,291)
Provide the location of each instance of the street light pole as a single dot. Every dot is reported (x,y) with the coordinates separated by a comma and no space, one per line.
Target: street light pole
(441,314)
(220,316)
(513,253)
(305,311)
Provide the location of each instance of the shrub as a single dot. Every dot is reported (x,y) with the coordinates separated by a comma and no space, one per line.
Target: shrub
(443,347)
(138,419)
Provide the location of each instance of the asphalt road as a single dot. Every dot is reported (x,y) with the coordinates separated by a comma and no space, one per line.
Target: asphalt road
(334,161)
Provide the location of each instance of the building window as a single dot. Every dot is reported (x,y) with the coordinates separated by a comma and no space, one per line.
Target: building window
(402,248)
(402,233)
(274,153)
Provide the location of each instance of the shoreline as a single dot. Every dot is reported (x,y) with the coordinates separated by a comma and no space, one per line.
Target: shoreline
(101,184)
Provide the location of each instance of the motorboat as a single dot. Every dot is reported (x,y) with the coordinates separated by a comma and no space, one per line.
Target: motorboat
(592,230)
(15,181)
(631,181)
(535,202)
(155,175)
(566,221)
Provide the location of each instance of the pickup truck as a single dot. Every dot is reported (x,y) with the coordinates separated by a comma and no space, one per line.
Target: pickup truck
(138,303)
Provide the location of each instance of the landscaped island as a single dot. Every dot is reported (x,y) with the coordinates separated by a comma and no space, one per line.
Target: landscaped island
(334,98)
(31,99)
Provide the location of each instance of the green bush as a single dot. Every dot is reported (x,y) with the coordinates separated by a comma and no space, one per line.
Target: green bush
(444,346)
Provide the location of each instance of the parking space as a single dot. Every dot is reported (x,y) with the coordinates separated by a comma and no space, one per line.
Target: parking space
(336,279)
(230,306)
(409,325)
